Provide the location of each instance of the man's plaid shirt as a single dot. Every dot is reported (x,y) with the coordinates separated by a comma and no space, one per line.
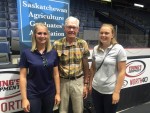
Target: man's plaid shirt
(70,56)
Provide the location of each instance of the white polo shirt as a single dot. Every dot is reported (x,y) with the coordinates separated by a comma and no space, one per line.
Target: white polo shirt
(105,78)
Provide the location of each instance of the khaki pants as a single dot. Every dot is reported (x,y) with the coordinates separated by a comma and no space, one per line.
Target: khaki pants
(71,89)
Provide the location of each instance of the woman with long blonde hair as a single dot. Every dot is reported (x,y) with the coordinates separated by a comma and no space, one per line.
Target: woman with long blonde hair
(39,76)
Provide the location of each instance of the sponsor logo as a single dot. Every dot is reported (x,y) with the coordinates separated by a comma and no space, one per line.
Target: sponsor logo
(135,68)
(10,99)
(11,86)
(136,81)
(125,83)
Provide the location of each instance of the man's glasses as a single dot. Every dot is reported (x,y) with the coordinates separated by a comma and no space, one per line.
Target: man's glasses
(71,27)
(45,62)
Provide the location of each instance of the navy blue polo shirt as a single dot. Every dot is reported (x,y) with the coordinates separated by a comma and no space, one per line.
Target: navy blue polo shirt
(40,72)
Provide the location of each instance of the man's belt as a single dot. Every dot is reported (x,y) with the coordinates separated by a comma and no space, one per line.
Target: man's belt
(72,77)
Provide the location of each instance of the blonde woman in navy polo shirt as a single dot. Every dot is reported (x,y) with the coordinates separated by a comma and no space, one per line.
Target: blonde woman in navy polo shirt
(39,76)
(106,81)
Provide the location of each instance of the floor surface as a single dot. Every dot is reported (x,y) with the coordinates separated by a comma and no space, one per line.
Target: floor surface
(143,108)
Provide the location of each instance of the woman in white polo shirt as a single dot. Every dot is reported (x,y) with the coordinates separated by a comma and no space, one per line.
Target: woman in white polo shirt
(107,71)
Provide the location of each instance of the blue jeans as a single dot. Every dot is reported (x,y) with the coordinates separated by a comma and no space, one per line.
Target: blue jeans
(42,105)
(103,102)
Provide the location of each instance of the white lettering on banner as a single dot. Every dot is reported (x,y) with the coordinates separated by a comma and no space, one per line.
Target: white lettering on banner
(10,106)
(56,33)
(45,16)
(43,7)
(32,23)
(52,12)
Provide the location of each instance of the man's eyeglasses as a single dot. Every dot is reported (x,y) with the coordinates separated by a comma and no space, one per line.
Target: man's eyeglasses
(71,27)
(45,62)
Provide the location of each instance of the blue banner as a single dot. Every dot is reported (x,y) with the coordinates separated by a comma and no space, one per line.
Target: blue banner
(52,12)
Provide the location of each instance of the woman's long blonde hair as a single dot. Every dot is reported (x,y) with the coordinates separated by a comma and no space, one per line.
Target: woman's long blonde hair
(34,44)
(113,41)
